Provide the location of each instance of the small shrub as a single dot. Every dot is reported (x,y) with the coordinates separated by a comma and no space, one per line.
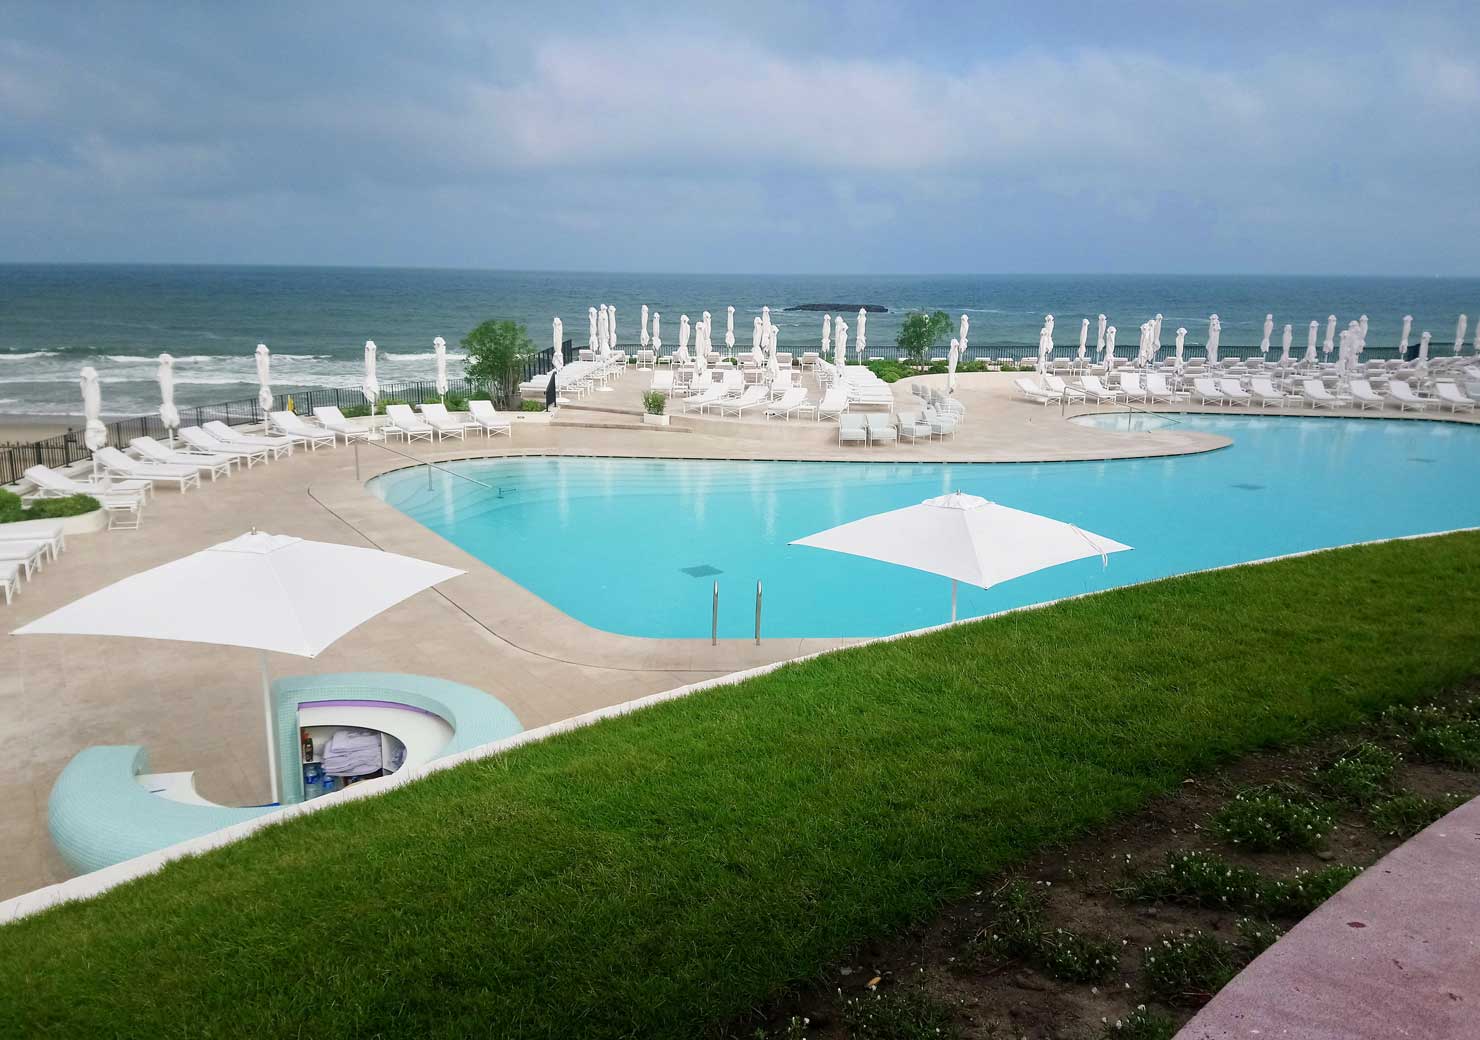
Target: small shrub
(531,406)
(1140,1024)
(455,401)
(897,1015)
(1018,932)
(1406,814)
(654,401)
(1256,936)
(10,507)
(1361,776)
(1263,819)
(1187,969)
(60,508)
(1072,957)
(1299,895)
(1443,735)
(1208,880)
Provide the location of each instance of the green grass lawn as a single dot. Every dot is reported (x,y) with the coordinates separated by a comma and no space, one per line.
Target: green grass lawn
(658,874)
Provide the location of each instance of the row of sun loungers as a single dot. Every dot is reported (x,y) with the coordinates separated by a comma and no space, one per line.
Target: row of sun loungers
(1153,388)
(24,552)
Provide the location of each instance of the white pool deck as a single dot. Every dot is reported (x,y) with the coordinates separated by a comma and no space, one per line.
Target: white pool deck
(197,707)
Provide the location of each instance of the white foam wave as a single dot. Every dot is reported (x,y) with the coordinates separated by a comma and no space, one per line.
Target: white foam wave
(423,357)
(28,355)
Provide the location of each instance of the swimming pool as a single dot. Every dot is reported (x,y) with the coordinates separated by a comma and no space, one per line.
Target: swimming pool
(634,546)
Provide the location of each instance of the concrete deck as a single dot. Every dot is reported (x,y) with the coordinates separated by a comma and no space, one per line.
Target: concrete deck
(196,707)
(1394,954)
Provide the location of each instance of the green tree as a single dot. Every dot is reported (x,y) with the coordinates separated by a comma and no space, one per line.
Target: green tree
(920,332)
(497,352)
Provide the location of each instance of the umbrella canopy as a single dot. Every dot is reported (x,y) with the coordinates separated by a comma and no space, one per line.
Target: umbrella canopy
(1083,336)
(439,350)
(1362,324)
(964,538)
(168,413)
(644,340)
(271,593)
(951,360)
(657,340)
(683,333)
(730,330)
(840,342)
(1330,341)
(1423,347)
(611,327)
(95,436)
(1215,329)
(1045,348)
(1109,348)
(826,334)
(1181,343)
(1100,335)
(603,332)
(369,386)
(862,335)
(1268,331)
(965,325)
(1407,331)
(1156,332)
(1286,339)
(557,351)
(1310,343)
(264,368)
(593,343)
(1048,325)
(1143,350)
(1459,332)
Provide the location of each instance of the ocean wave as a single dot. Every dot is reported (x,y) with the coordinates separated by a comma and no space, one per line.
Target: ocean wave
(422,357)
(28,355)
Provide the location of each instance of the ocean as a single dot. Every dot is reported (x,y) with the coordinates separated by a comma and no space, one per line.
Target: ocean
(118,318)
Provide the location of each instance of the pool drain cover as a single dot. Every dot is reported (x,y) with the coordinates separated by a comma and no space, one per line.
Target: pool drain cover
(701,571)
(1248,487)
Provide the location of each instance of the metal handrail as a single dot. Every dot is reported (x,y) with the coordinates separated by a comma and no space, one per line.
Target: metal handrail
(431,464)
(1130,408)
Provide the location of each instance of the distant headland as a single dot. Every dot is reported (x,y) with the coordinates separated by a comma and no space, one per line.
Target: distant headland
(871,308)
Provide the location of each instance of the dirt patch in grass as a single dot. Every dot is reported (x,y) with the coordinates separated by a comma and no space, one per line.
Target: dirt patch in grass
(953,966)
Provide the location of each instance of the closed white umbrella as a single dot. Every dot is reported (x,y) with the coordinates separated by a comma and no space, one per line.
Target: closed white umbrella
(369,386)
(1286,339)
(840,340)
(965,325)
(1181,344)
(1143,349)
(730,330)
(439,348)
(1268,331)
(1156,333)
(1362,324)
(1048,330)
(862,335)
(593,343)
(557,351)
(1344,350)
(603,330)
(951,360)
(1407,330)
(1310,343)
(1215,330)
(611,328)
(657,340)
(264,372)
(1330,341)
(826,335)
(94,434)
(271,593)
(1423,348)
(1109,348)
(1459,332)
(683,336)
(965,538)
(766,317)
(1100,335)
(644,341)
(1083,337)
(168,413)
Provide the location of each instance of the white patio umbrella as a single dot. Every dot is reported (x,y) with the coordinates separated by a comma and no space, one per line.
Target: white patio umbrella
(766,317)
(439,349)
(964,538)
(729,330)
(168,413)
(1459,332)
(840,340)
(1310,343)
(1407,330)
(94,434)
(951,359)
(369,386)
(757,333)
(1156,333)
(657,340)
(593,344)
(826,335)
(264,367)
(862,340)
(683,334)
(611,328)
(1423,347)
(1362,324)
(1110,348)
(1330,341)
(603,330)
(1268,331)
(965,325)
(1344,350)
(1215,330)
(1048,326)
(1143,350)
(557,351)
(1083,337)
(1181,344)
(643,341)
(1100,335)
(1286,338)
(1045,348)
(270,593)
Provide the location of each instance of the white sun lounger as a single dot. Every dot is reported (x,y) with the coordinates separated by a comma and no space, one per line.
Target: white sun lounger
(153,451)
(10,582)
(880,429)
(332,419)
(1235,393)
(28,556)
(202,441)
(1364,396)
(279,446)
(1262,389)
(833,404)
(793,400)
(748,398)
(1400,391)
(1031,391)
(50,532)
(115,461)
(1206,391)
(404,422)
(299,432)
(123,500)
(852,429)
(1098,391)
(1130,385)
(1314,391)
(1059,388)
(1157,389)
(489,421)
(1449,395)
(442,421)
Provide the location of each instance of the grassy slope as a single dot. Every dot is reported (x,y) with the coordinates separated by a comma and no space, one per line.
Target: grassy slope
(655,874)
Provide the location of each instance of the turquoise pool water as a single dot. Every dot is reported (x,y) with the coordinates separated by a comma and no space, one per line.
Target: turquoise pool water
(634,546)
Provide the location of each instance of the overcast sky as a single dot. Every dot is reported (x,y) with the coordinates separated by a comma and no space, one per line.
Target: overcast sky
(747,137)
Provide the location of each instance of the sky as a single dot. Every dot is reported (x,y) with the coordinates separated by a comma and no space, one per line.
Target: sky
(1295,137)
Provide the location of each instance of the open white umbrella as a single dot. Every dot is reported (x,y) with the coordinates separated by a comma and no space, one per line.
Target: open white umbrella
(439,349)
(1310,343)
(951,360)
(644,340)
(369,386)
(1083,337)
(862,340)
(1268,331)
(1110,348)
(557,351)
(593,344)
(964,538)
(840,341)
(94,434)
(1286,338)
(1423,347)
(1215,330)
(271,593)
(264,367)
(1459,332)
(1100,335)
(1181,344)
(1407,331)
(168,413)
(729,330)
(1330,341)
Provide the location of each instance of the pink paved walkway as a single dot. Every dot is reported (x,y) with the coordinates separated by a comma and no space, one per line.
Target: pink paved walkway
(1394,954)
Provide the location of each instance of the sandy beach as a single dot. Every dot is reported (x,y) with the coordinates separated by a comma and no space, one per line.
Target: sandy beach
(27,428)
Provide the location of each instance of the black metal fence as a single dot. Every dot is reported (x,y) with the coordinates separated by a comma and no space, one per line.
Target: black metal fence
(67,448)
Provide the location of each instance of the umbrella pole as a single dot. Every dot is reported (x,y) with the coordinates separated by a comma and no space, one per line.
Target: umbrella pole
(271,716)
(953,599)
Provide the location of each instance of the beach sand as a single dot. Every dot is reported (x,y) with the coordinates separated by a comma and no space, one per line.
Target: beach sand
(27,428)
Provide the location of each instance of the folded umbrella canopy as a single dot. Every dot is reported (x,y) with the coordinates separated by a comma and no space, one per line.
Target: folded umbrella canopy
(264,368)
(439,354)
(168,413)
(270,593)
(964,538)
